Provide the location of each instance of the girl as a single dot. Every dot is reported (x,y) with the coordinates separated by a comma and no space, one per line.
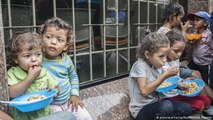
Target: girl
(203,49)
(144,78)
(57,36)
(171,21)
(27,76)
(177,44)
(172,16)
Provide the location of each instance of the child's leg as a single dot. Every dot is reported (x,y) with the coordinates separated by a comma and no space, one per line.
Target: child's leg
(150,111)
(55,108)
(81,114)
(4,116)
(209,92)
(211,76)
(204,70)
(197,103)
(181,108)
(205,99)
(164,108)
(62,115)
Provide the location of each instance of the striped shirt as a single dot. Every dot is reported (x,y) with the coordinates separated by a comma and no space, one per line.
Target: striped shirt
(63,71)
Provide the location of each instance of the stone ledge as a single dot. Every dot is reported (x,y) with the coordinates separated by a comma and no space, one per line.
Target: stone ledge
(108,101)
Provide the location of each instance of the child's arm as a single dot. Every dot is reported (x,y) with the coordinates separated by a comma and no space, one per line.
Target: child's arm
(184,28)
(196,74)
(210,42)
(20,88)
(74,81)
(74,98)
(185,73)
(4,116)
(147,88)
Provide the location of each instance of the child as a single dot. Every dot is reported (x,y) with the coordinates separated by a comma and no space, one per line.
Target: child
(203,49)
(27,76)
(144,78)
(57,36)
(177,44)
(4,116)
(172,16)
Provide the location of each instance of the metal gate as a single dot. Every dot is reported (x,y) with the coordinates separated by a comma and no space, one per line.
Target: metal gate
(106,32)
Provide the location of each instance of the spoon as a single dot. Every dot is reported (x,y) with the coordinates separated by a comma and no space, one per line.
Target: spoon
(16,102)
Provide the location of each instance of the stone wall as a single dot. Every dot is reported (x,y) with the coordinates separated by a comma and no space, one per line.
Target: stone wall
(3,82)
(197,5)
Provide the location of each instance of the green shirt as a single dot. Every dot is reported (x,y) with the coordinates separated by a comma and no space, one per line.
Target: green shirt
(42,82)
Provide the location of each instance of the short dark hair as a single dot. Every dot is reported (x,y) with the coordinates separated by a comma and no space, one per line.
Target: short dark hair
(174,9)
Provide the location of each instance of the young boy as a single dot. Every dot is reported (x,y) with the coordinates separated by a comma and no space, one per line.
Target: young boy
(202,49)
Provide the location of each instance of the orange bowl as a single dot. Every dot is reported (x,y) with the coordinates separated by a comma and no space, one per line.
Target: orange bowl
(193,36)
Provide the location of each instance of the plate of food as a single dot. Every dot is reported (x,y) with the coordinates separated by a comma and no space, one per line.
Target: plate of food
(194,87)
(33,101)
(168,84)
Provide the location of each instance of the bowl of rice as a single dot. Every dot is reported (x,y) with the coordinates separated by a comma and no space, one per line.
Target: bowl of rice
(168,84)
(33,101)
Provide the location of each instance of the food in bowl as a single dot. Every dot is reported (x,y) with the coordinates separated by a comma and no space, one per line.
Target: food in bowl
(191,88)
(197,88)
(35,98)
(168,84)
(165,84)
(33,105)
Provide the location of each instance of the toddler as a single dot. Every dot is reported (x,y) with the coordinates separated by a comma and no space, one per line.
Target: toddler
(57,37)
(27,76)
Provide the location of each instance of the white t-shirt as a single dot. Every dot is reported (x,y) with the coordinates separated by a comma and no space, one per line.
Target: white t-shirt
(140,69)
(163,30)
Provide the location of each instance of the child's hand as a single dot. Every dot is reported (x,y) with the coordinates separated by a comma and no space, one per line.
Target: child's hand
(172,71)
(181,86)
(184,27)
(34,72)
(75,101)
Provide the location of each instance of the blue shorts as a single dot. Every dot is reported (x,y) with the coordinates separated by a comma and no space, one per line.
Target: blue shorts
(185,72)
